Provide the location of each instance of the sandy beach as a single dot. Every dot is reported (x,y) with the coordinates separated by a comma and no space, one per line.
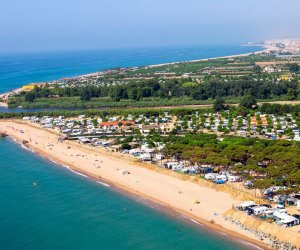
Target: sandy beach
(169,191)
(3,104)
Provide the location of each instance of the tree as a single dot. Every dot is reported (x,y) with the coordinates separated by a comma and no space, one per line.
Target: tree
(248,101)
(126,146)
(219,104)
(294,67)
(133,93)
(29,97)
(85,95)
(257,69)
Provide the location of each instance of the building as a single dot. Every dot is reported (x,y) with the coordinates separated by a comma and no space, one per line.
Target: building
(271,69)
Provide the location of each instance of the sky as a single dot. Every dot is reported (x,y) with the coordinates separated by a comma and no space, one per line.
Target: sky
(37,25)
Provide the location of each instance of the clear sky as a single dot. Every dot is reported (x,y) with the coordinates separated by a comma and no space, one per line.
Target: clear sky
(27,25)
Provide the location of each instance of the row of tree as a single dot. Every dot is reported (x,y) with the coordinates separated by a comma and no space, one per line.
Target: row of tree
(213,88)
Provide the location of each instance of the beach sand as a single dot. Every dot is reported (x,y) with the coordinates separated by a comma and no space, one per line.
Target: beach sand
(167,190)
(3,104)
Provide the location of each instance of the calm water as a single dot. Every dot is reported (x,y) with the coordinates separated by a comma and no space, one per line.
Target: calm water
(69,211)
(19,69)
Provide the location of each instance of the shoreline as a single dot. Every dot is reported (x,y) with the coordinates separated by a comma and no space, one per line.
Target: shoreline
(263,50)
(158,206)
(216,228)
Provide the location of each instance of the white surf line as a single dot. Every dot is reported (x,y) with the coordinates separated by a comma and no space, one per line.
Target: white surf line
(54,161)
(22,145)
(83,175)
(26,148)
(100,182)
(196,222)
(103,184)
(65,166)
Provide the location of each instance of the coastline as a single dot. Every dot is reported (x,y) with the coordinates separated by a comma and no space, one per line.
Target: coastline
(264,49)
(124,186)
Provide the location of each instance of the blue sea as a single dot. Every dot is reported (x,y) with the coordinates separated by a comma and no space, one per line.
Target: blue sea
(23,68)
(70,211)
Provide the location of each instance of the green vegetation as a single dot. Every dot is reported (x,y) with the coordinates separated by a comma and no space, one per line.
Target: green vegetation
(76,102)
(219,104)
(248,102)
(244,155)
(257,69)
(199,82)
(293,67)
(156,92)
(102,113)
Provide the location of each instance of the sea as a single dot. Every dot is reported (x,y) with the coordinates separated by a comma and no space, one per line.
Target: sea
(17,69)
(47,206)
(66,210)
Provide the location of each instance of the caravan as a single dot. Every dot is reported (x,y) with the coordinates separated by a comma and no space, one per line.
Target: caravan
(233,178)
(175,166)
(210,176)
(259,210)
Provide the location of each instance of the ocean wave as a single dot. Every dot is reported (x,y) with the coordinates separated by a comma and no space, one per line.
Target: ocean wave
(26,148)
(54,161)
(196,222)
(83,175)
(103,183)
(65,166)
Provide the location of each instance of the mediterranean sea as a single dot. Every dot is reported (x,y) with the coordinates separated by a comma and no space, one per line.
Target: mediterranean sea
(65,210)
(17,69)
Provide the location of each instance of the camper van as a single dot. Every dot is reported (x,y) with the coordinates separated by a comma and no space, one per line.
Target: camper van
(221,177)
